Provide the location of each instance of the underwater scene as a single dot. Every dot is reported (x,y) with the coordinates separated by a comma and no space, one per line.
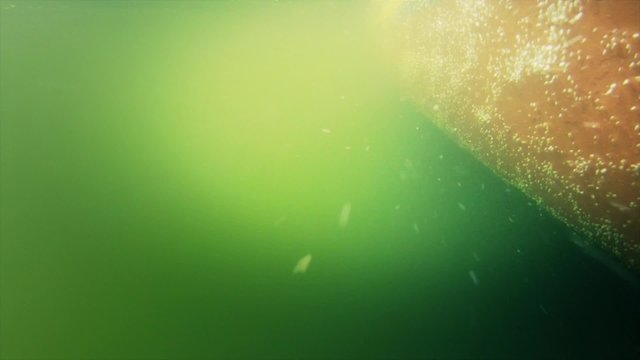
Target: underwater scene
(438,179)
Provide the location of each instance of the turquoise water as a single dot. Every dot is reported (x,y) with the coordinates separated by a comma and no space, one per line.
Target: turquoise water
(165,165)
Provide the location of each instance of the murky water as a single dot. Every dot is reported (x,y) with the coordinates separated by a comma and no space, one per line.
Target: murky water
(245,181)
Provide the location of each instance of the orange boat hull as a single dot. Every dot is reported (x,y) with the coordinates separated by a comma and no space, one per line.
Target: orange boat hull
(546,93)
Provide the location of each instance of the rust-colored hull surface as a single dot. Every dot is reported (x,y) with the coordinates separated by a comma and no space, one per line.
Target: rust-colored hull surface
(546,93)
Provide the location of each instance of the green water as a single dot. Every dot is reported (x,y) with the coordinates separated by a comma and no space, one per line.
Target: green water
(164,166)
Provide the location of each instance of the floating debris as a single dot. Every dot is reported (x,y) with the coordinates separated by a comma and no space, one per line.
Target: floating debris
(475,256)
(343,220)
(510,219)
(591,124)
(416,228)
(462,207)
(302,265)
(543,309)
(408,164)
(611,89)
(574,39)
(619,206)
(474,278)
(326,131)
(280,220)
